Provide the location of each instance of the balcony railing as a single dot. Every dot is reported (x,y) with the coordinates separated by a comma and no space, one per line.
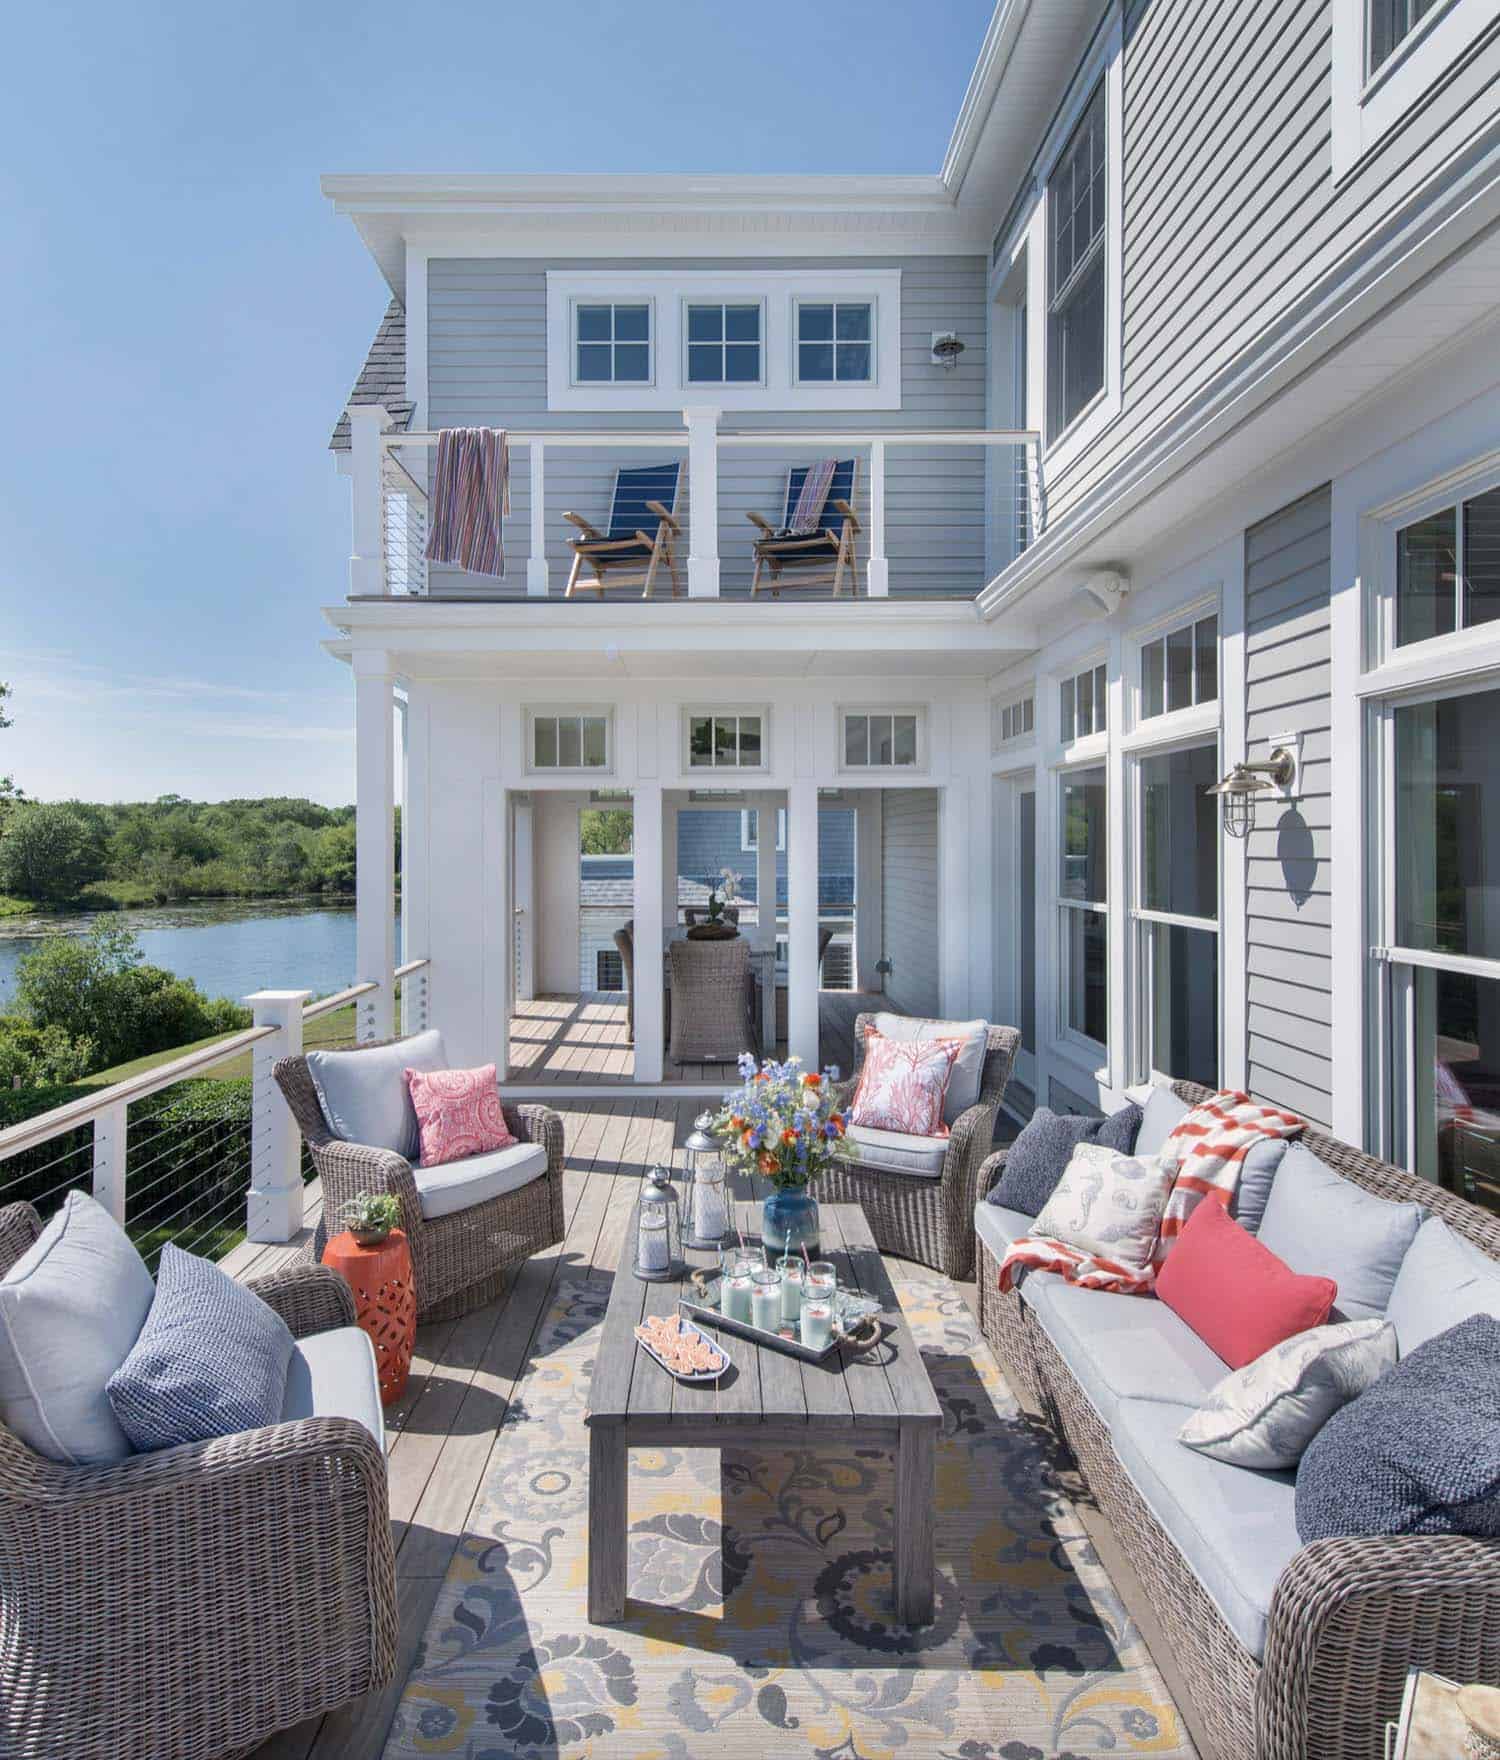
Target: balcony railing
(940,510)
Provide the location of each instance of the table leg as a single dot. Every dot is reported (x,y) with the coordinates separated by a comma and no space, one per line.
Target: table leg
(915,1495)
(609,1466)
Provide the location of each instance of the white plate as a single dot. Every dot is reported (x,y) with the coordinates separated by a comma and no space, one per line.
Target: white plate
(698,1332)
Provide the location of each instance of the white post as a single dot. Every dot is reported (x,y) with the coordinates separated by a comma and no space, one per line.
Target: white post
(536,561)
(523,899)
(367,422)
(765,806)
(880,568)
(109,1160)
(703,502)
(374,841)
(649,1014)
(802,919)
(274,1208)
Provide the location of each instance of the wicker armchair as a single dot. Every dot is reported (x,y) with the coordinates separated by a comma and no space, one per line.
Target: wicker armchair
(711,991)
(1348,1617)
(459,1262)
(913,1215)
(187,1604)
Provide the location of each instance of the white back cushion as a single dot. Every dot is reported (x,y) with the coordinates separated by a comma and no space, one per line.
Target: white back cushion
(364,1093)
(968,1066)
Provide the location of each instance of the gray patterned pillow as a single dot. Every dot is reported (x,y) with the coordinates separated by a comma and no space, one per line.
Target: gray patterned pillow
(211,1359)
(1109,1204)
(1265,1414)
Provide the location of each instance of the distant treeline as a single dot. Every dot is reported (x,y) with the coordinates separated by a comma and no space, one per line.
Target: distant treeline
(153,852)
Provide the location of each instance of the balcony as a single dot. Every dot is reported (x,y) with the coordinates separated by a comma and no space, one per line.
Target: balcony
(937,512)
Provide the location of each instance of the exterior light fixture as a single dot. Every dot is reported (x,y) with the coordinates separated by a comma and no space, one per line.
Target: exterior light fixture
(947,346)
(1245,783)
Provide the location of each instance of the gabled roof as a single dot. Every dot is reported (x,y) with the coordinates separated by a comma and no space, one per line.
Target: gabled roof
(382,379)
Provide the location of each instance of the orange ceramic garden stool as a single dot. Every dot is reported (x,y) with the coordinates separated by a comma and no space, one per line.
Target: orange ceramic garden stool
(385,1301)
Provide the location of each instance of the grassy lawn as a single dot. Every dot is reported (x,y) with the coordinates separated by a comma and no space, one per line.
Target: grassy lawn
(11,906)
(328,1029)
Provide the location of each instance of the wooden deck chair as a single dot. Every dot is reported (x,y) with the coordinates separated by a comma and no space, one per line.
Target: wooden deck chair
(642,529)
(820,558)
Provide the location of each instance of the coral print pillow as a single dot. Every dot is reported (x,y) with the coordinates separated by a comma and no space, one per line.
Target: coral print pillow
(458,1113)
(902,1085)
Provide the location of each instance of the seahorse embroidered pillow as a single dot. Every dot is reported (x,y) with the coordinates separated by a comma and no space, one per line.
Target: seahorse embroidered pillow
(458,1113)
(902,1084)
(1109,1204)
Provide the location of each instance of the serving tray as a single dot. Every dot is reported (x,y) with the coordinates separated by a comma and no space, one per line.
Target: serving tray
(713,1344)
(787,1340)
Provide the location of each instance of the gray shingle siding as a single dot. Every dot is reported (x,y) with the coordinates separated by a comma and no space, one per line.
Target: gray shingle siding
(382,379)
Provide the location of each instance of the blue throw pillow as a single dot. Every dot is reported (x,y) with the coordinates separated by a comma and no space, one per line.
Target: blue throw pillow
(1417,1453)
(211,1359)
(1037,1159)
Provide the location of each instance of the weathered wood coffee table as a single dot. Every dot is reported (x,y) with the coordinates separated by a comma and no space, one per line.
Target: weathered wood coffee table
(765,1400)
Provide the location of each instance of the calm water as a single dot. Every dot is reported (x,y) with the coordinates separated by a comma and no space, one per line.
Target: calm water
(228,949)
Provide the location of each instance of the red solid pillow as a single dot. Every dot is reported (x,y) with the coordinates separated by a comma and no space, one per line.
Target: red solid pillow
(1235,1293)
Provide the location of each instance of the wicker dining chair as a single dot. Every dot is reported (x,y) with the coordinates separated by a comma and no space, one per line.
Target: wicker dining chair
(710,990)
(191,1602)
(914,1215)
(459,1262)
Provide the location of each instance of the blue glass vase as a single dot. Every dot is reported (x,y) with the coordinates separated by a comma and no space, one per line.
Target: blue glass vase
(789,1223)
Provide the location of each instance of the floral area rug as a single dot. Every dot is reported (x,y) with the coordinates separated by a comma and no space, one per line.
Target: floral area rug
(760,1622)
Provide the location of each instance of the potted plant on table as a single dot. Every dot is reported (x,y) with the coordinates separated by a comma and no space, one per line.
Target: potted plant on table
(723,889)
(785,1125)
(370,1217)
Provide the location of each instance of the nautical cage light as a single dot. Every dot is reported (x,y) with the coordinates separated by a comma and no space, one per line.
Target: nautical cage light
(1246,782)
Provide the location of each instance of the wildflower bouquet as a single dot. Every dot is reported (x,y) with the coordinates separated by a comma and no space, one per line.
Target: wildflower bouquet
(785,1124)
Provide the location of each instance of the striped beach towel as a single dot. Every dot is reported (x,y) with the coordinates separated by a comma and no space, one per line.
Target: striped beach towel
(470,494)
(815,487)
(1209,1146)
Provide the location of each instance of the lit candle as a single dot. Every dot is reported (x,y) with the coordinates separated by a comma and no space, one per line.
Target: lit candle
(791,1289)
(709,1218)
(765,1300)
(817,1323)
(735,1302)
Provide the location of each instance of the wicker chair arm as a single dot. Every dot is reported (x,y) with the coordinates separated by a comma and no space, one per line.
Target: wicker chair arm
(347,1169)
(310,1298)
(970,1138)
(540,1124)
(990,1170)
(1349,1617)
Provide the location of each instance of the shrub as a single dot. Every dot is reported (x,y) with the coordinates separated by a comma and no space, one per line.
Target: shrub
(49,851)
(41,1056)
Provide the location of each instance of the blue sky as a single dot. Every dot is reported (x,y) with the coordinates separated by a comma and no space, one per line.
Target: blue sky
(184,315)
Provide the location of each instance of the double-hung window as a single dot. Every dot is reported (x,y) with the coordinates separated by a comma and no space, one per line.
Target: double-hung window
(724,342)
(612,342)
(1082,906)
(835,342)
(1077,208)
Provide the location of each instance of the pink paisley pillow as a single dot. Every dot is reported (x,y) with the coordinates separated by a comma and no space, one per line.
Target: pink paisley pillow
(902,1085)
(458,1113)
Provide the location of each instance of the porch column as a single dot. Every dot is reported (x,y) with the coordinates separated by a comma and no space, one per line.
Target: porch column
(649,1015)
(523,899)
(374,840)
(367,422)
(703,502)
(802,918)
(879,568)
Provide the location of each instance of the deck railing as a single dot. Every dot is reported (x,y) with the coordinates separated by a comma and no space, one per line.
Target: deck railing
(390,473)
(173,1160)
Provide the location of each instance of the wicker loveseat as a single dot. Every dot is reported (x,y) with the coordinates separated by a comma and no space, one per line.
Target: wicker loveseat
(1347,1618)
(189,1603)
(918,1215)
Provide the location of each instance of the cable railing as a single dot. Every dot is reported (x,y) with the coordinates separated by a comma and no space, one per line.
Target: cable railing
(199,1151)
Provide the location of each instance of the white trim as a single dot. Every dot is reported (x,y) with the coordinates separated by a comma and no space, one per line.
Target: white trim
(794,340)
(567,712)
(776,290)
(612,301)
(916,711)
(416,333)
(749,847)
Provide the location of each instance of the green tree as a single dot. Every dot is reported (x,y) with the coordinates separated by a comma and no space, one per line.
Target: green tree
(605,831)
(50,851)
(9,793)
(333,858)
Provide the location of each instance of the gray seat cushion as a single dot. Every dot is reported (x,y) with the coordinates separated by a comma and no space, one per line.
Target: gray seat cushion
(333,1375)
(364,1094)
(1038,1158)
(70,1309)
(968,1066)
(894,1152)
(1235,1528)
(1124,1347)
(997,1227)
(1323,1225)
(1443,1279)
(1160,1116)
(460,1185)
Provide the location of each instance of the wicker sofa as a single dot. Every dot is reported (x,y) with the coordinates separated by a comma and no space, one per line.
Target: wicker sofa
(257,1568)
(1346,1618)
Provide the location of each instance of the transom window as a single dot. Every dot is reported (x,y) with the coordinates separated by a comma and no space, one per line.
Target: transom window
(1181,668)
(1018,719)
(724,742)
(724,343)
(612,342)
(881,742)
(835,342)
(1391,22)
(1082,904)
(1077,200)
(1448,570)
(569,742)
(1081,705)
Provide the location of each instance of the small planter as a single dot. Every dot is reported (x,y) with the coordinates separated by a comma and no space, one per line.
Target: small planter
(712,932)
(370,1237)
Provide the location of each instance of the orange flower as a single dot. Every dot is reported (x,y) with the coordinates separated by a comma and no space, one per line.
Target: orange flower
(745,1139)
(836,1119)
(762,1076)
(789,1137)
(767,1161)
(812,1080)
(737,1123)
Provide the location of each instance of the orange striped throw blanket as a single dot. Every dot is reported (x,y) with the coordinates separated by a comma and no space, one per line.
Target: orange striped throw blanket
(1209,1147)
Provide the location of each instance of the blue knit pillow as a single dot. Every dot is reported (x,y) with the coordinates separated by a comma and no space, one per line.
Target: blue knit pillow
(1037,1159)
(1417,1453)
(211,1359)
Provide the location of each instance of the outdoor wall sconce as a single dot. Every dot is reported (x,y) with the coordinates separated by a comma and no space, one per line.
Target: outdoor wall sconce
(1246,783)
(946,348)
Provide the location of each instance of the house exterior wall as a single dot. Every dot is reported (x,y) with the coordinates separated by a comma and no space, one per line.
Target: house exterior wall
(487,365)
(912,897)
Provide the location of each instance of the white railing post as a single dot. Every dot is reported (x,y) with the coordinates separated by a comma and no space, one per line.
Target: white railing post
(879,568)
(536,561)
(367,421)
(109,1160)
(273,1211)
(703,502)
(414,1003)
(374,840)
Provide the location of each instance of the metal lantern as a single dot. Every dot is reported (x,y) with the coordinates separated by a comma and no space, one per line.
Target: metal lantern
(1246,783)
(707,1204)
(658,1235)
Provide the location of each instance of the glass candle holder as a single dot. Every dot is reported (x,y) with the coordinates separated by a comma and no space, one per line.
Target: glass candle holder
(817,1323)
(765,1300)
(822,1281)
(791,1288)
(734,1295)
